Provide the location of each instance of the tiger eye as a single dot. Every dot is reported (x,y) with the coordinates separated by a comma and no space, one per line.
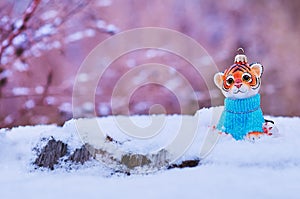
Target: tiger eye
(230,81)
(246,77)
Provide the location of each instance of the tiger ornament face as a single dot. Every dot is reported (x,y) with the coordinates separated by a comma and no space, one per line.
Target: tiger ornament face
(240,80)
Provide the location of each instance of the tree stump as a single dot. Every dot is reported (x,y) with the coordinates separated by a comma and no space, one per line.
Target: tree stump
(54,150)
(80,155)
(51,153)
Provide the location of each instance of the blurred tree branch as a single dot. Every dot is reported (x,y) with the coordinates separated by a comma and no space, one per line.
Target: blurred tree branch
(19,26)
(43,27)
(21,40)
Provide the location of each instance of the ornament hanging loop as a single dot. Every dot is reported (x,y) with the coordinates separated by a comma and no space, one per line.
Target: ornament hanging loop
(240,58)
(240,51)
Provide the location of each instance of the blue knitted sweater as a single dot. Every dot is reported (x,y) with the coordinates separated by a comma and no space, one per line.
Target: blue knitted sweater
(241,116)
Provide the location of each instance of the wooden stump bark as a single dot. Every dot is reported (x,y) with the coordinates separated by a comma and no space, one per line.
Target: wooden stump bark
(80,155)
(51,153)
(54,150)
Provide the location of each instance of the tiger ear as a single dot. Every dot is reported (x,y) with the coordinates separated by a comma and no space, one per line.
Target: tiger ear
(257,68)
(218,79)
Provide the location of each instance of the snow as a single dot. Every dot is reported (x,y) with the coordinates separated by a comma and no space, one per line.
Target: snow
(4,60)
(46,29)
(29,104)
(80,35)
(112,28)
(90,32)
(88,106)
(8,119)
(100,24)
(4,19)
(29,10)
(65,107)
(50,100)
(55,44)
(83,77)
(57,21)
(268,168)
(6,73)
(18,24)
(39,89)
(49,15)
(20,66)
(154,53)
(103,109)
(10,50)
(5,42)
(131,63)
(18,91)
(104,3)
(19,40)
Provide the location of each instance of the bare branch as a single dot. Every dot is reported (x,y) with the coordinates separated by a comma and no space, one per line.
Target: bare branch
(19,26)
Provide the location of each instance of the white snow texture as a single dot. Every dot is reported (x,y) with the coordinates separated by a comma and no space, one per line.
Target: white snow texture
(268,168)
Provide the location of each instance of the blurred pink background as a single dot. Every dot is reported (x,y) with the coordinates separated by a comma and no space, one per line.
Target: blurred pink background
(39,65)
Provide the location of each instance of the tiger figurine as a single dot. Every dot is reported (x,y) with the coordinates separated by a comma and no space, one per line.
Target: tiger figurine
(242,116)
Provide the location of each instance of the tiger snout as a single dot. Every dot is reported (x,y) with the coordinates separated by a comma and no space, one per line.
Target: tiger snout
(238,83)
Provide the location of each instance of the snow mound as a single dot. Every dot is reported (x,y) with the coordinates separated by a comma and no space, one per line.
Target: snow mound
(271,162)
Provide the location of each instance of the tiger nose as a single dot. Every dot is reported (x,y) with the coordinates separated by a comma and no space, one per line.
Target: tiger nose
(238,83)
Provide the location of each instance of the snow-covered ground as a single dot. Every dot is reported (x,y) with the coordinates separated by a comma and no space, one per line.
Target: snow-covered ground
(268,168)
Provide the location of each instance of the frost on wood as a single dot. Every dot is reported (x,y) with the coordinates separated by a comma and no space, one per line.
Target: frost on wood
(54,150)
(80,155)
(51,153)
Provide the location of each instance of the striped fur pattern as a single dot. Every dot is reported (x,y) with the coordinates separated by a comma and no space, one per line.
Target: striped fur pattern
(240,80)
